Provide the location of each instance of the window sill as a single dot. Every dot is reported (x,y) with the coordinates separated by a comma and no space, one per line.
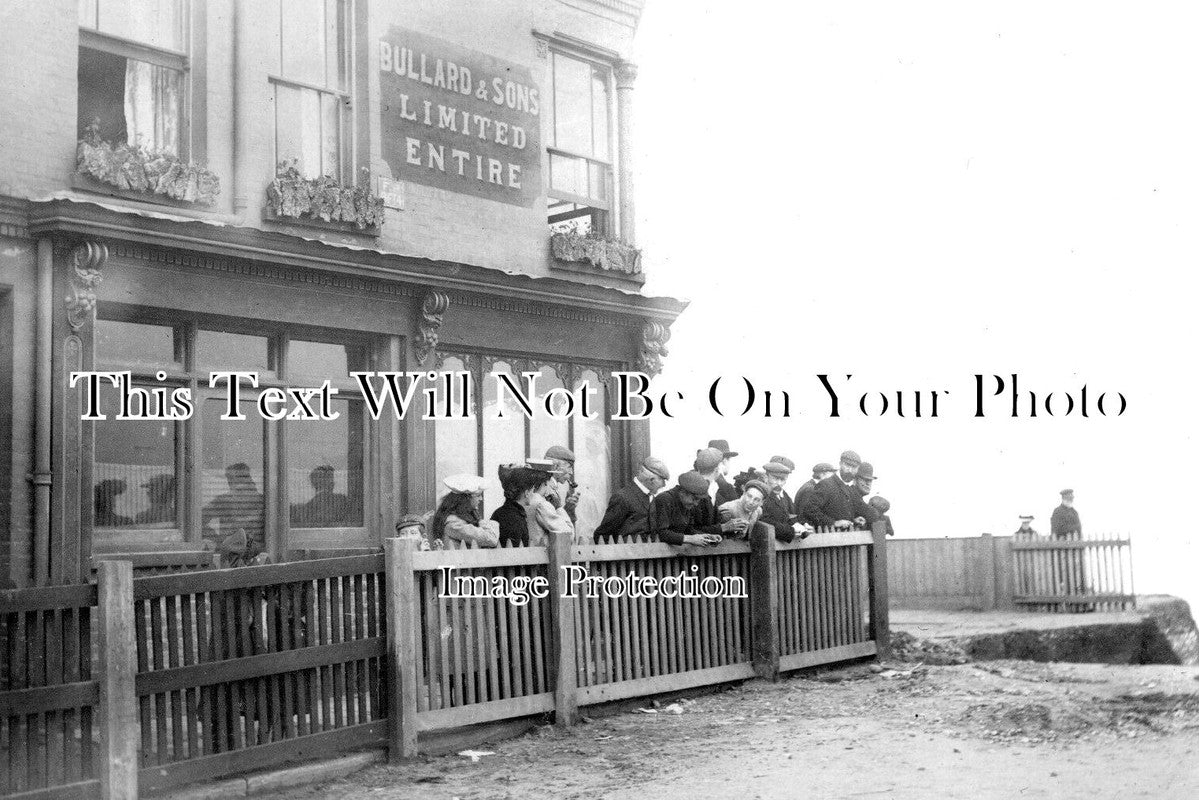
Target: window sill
(319,224)
(83,183)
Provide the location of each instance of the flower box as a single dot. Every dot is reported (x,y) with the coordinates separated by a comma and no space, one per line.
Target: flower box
(610,255)
(322,203)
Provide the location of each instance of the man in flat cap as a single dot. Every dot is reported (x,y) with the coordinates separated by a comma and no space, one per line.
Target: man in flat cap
(819,472)
(778,510)
(565,491)
(707,464)
(671,517)
(628,509)
(725,491)
(1025,531)
(1064,524)
(836,502)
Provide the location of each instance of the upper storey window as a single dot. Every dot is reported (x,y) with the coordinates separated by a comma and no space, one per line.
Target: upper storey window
(580,184)
(133,72)
(312,90)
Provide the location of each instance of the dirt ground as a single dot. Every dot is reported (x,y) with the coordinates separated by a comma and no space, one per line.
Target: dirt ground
(997,729)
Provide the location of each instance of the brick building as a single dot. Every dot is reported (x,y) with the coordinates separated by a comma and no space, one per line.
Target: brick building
(302,189)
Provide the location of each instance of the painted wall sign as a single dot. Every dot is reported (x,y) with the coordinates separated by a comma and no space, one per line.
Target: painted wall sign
(459,120)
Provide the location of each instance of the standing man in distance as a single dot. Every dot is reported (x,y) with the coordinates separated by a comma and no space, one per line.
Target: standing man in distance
(1064,522)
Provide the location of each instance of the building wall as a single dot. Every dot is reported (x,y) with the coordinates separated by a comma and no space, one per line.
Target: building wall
(18,283)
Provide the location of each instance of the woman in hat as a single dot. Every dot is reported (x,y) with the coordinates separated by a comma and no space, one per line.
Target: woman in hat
(458,514)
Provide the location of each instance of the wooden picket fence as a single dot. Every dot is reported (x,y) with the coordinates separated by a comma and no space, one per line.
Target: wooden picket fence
(1092,573)
(212,673)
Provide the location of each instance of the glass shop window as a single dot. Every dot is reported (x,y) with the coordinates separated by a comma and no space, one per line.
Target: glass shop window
(134,472)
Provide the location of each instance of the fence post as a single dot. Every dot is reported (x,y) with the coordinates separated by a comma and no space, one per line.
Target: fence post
(880,612)
(120,730)
(401,648)
(987,568)
(764,601)
(562,631)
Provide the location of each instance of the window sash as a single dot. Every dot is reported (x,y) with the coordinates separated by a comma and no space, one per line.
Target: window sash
(329,163)
(127,48)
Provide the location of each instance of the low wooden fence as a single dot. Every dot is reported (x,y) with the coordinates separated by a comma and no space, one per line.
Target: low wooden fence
(223,671)
(987,572)
(1076,574)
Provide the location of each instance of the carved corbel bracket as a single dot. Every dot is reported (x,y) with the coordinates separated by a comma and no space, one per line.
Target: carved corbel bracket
(87,261)
(654,336)
(626,74)
(432,310)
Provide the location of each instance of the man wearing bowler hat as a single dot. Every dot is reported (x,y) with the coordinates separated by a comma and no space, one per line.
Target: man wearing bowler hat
(671,514)
(628,509)
(836,502)
(725,491)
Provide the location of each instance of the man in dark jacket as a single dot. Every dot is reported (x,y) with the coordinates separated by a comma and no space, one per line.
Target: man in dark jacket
(672,514)
(864,483)
(1065,524)
(725,491)
(628,509)
(778,511)
(835,502)
(819,472)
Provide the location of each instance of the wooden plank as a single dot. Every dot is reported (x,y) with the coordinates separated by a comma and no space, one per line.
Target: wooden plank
(434,560)
(1074,598)
(39,598)
(485,712)
(659,684)
(79,790)
(828,655)
(236,669)
(764,610)
(245,577)
(119,725)
(319,745)
(646,551)
(562,643)
(39,699)
(880,613)
(402,653)
(1067,544)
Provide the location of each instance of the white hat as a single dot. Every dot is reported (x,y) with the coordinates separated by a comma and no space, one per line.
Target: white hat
(465,484)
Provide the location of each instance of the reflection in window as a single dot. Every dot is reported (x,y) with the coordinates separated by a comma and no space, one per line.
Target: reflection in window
(131,343)
(232,469)
(322,360)
(219,350)
(134,474)
(503,439)
(593,458)
(325,469)
(456,440)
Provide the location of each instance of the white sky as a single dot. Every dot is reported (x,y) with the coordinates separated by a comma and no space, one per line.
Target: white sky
(917,192)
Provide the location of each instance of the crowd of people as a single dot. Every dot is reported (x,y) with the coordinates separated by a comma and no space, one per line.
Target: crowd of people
(702,508)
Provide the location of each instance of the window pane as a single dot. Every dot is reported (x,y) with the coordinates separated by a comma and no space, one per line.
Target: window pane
(135,344)
(134,476)
(158,23)
(322,360)
(330,135)
(593,459)
(231,475)
(338,38)
(568,174)
(325,469)
(597,181)
(572,105)
(152,96)
(302,49)
(503,439)
(456,440)
(298,128)
(599,113)
(545,432)
(218,350)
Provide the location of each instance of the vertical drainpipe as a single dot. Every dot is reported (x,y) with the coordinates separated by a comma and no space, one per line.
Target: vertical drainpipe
(42,410)
(241,100)
(626,74)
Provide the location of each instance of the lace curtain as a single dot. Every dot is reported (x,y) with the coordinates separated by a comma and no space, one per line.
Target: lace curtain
(152,96)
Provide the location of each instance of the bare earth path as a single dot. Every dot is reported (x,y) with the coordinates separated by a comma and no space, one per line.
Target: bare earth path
(1003,729)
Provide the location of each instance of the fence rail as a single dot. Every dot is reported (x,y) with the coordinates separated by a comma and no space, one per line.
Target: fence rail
(223,671)
(1077,574)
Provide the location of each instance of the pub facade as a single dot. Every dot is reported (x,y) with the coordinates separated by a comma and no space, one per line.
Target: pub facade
(305,189)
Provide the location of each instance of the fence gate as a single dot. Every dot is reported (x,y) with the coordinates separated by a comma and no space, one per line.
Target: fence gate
(1074,574)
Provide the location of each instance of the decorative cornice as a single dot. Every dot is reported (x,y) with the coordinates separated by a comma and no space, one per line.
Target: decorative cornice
(87,259)
(627,12)
(654,336)
(626,74)
(14,217)
(432,310)
(277,256)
